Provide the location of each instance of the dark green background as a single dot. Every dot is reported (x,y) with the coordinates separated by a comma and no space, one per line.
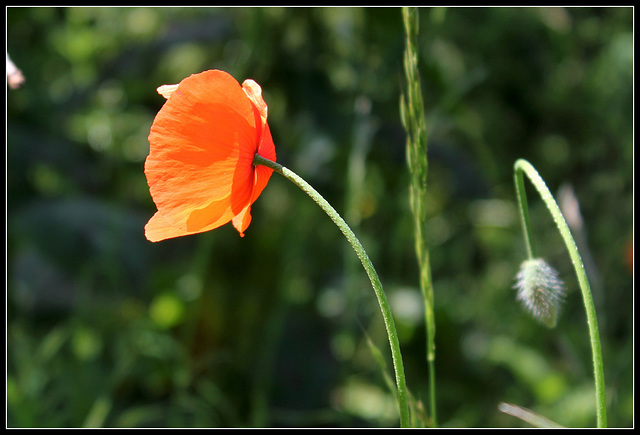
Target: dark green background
(107,329)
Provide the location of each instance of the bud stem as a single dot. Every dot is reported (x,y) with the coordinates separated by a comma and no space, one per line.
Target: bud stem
(522,166)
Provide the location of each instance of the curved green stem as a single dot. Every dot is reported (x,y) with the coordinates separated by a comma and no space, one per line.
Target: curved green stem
(396,356)
(524,213)
(522,166)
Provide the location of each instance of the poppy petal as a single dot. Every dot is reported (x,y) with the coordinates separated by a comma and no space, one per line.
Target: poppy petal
(200,167)
(254,92)
(262,173)
(167,90)
(160,228)
(196,142)
(242,220)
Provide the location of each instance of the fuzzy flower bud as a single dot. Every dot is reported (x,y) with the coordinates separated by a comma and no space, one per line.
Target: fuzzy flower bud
(540,290)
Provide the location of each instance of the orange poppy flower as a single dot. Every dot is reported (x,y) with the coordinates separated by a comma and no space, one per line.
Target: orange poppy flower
(200,167)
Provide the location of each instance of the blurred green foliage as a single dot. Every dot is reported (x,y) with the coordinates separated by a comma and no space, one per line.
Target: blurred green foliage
(107,329)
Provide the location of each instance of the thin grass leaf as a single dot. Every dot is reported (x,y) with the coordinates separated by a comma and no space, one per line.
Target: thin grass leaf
(528,416)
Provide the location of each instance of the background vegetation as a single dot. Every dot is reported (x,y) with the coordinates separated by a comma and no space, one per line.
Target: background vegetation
(107,329)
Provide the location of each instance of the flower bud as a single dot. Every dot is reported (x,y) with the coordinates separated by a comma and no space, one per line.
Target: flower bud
(540,290)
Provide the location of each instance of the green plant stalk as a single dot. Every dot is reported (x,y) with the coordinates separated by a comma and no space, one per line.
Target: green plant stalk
(412,114)
(522,166)
(396,356)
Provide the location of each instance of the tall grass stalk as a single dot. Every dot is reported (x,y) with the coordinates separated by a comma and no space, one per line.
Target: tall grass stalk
(412,114)
(521,167)
(392,333)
